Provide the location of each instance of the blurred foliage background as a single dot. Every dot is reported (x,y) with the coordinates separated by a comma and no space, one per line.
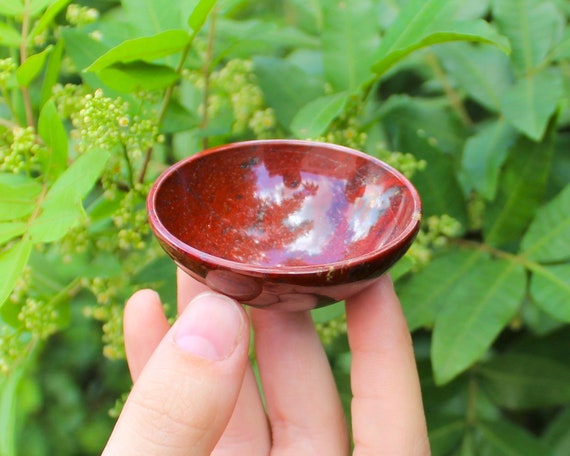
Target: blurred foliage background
(469,99)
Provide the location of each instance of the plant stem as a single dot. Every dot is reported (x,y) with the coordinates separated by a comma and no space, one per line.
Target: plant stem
(454,98)
(164,107)
(523,261)
(206,71)
(471,413)
(23,57)
(130,174)
(68,291)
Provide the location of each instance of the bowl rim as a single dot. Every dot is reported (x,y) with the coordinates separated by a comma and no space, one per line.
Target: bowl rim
(167,237)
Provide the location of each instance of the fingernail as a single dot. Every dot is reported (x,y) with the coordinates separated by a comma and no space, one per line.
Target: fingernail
(210,327)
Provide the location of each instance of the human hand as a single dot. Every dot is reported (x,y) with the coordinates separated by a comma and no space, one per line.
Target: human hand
(195,391)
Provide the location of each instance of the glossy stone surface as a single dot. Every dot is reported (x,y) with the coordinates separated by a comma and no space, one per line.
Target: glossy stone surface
(283,223)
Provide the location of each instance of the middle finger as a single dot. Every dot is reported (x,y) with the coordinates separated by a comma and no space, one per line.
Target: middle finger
(303,404)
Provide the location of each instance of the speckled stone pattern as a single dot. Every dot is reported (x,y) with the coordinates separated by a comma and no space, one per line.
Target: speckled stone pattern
(265,220)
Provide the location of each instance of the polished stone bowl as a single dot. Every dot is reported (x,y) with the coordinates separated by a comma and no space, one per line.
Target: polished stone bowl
(283,223)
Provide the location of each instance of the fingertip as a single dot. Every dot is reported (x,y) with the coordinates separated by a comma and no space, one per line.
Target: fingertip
(144,297)
(144,326)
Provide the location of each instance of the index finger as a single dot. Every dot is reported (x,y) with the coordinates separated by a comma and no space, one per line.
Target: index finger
(387,410)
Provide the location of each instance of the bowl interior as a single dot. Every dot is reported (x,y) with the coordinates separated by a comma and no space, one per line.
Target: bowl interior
(284,204)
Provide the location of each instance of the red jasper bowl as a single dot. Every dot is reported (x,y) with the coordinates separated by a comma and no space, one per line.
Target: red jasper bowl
(284,223)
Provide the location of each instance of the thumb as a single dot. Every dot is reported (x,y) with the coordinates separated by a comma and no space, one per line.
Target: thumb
(185,395)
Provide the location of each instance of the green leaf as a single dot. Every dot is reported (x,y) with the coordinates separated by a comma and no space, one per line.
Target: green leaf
(350,38)
(505,439)
(11,8)
(10,403)
(468,446)
(473,10)
(83,50)
(432,120)
(28,71)
(199,15)
(484,72)
(522,381)
(178,118)
(402,267)
(328,313)
(52,131)
(521,189)
(149,17)
(286,87)
(12,263)
(160,273)
(62,206)
(416,19)
(530,103)
(552,345)
(9,36)
(244,38)
(77,180)
(548,237)
(137,75)
(424,294)
(15,8)
(483,301)
(10,230)
(430,131)
(562,49)
(51,76)
(557,435)
(550,288)
(437,183)
(532,27)
(484,154)
(57,218)
(47,18)
(314,118)
(146,49)
(424,23)
(537,320)
(37,6)
(445,433)
(18,196)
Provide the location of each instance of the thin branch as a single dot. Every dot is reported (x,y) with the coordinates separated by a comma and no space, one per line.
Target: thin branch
(130,174)
(454,98)
(164,108)
(23,57)
(206,71)
(519,259)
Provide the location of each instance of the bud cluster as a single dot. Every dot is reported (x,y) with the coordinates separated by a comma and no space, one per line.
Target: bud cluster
(19,150)
(79,15)
(435,233)
(233,89)
(7,70)
(328,331)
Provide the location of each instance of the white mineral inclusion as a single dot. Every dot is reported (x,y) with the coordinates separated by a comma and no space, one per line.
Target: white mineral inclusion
(366,210)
